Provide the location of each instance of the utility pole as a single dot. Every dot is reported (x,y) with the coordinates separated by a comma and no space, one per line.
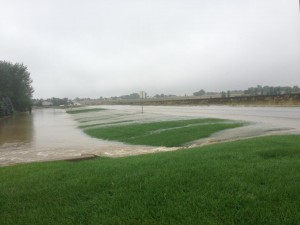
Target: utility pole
(142,94)
(143,99)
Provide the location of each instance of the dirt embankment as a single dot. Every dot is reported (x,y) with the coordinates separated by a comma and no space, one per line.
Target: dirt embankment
(281,100)
(259,100)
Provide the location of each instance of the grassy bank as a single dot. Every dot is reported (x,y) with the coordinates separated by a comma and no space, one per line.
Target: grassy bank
(246,182)
(167,133)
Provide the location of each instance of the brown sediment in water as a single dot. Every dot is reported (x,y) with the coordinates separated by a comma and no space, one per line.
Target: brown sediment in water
(51,134)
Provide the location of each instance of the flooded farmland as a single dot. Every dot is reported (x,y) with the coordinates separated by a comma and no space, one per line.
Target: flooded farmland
(51,134)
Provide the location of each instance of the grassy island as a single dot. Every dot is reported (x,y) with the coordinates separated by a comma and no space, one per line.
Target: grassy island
(167,133)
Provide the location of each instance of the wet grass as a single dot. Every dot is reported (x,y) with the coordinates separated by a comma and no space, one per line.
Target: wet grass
(102,124)
(166,133)
(247,182)
(106,116)
(94,118)
(77,111)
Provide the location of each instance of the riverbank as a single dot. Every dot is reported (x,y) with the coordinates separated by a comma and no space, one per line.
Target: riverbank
(246,182)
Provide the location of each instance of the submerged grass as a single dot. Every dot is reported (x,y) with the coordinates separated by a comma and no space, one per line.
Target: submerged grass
(77,111)
(101,124)
(105,116)
(166,133)
(246,182)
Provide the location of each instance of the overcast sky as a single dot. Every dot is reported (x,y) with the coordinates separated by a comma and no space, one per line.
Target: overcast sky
(76,48)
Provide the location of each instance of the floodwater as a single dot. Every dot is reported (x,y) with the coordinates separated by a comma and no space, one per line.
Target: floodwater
(51,134)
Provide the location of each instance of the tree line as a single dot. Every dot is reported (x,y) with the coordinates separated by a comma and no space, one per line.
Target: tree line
(253,91)
(270,90)
(131,96)
(15,88)
(51,102)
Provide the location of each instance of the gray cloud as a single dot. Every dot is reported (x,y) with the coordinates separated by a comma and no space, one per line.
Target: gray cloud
(106,48)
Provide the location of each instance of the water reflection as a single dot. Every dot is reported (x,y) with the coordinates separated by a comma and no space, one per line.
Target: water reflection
(50,134)
(16,129)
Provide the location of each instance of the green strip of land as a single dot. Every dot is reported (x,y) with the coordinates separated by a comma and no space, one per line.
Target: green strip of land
(104,124)
(166,133)
(246,182)
(77,111)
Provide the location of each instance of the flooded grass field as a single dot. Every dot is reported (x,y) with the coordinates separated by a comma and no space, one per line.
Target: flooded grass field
(51,134)
(174,133)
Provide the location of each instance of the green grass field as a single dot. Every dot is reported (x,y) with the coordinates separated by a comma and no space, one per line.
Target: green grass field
(166,133)
(238,183)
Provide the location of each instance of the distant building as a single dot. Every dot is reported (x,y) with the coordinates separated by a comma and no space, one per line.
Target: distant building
(76,104)
(47,103)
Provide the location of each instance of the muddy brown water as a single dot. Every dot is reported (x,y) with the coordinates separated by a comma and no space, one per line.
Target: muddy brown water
(51,134)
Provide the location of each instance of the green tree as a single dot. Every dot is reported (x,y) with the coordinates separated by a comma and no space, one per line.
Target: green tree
(15,85)
(199,93)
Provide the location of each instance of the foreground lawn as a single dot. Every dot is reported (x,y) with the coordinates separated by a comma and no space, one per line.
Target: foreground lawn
(246,182)
(167,133)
